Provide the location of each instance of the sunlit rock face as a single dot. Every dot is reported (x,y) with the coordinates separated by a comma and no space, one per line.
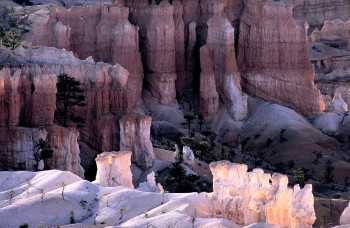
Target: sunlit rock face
(218,63)
(345,217)
(101,31)
(150,185)
(249,197)
(273,56)
(113,169)
(135,137)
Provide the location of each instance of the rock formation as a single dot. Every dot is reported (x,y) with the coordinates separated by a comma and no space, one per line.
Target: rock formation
(44,100)
(135,137)
(113,169)
(157,43)
(272,56)
(340,106)
(221,57)
(64,142)
(315,12)
(188,156)
(17,148)
(150,185)
(101,31)
(345,217)
(335,33)
(104,86)
(248,197)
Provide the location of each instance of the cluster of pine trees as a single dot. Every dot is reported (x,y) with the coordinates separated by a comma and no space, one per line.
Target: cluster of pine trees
(16,25)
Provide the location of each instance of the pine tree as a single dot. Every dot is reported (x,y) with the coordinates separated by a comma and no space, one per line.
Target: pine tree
(12,38)
(328,174)
(69,95)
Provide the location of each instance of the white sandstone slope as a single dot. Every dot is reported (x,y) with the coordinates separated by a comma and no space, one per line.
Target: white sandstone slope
(90,203)
(59,198)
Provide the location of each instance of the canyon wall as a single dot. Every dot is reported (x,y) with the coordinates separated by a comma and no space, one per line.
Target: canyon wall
(315,12)
(218,64)
(249,197)
(335,33)
(273,57)
(101,31)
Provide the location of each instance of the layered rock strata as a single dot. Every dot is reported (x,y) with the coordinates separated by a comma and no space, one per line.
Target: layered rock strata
(113,169)
(273,57)
(158,47)
(150,185)
(335,33)
(315,12)
(28,96)
(135,137)
(101,31)
(218,63)
(249,197)
(18,143)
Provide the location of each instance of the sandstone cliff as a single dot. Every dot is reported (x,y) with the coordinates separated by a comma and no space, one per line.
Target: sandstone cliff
(315,12)
(218,63)
(101,31)
(272,56)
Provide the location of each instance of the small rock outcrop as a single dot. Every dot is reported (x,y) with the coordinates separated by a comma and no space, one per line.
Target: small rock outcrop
(315,12)
(345,217)
(113,169)
(335,33)
(248,197)
(273,57)
(187,155)
(135,137)
(150,185)
(340,106)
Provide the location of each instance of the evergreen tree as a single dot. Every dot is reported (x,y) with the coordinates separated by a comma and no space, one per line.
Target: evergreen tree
(328,174)
(12,38)
(69,95)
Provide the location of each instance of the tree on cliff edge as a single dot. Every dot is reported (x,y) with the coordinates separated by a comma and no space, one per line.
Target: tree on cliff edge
(69,95)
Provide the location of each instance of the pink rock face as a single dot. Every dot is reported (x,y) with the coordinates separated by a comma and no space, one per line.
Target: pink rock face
(273,57)
(157,37)
(336,32)
(44,100)
(315,12)
(113,169)
(31,101)
(209,99)
(64,141)
(135,137)
(101,31)
(248,197)
(17,148)
(220,56)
